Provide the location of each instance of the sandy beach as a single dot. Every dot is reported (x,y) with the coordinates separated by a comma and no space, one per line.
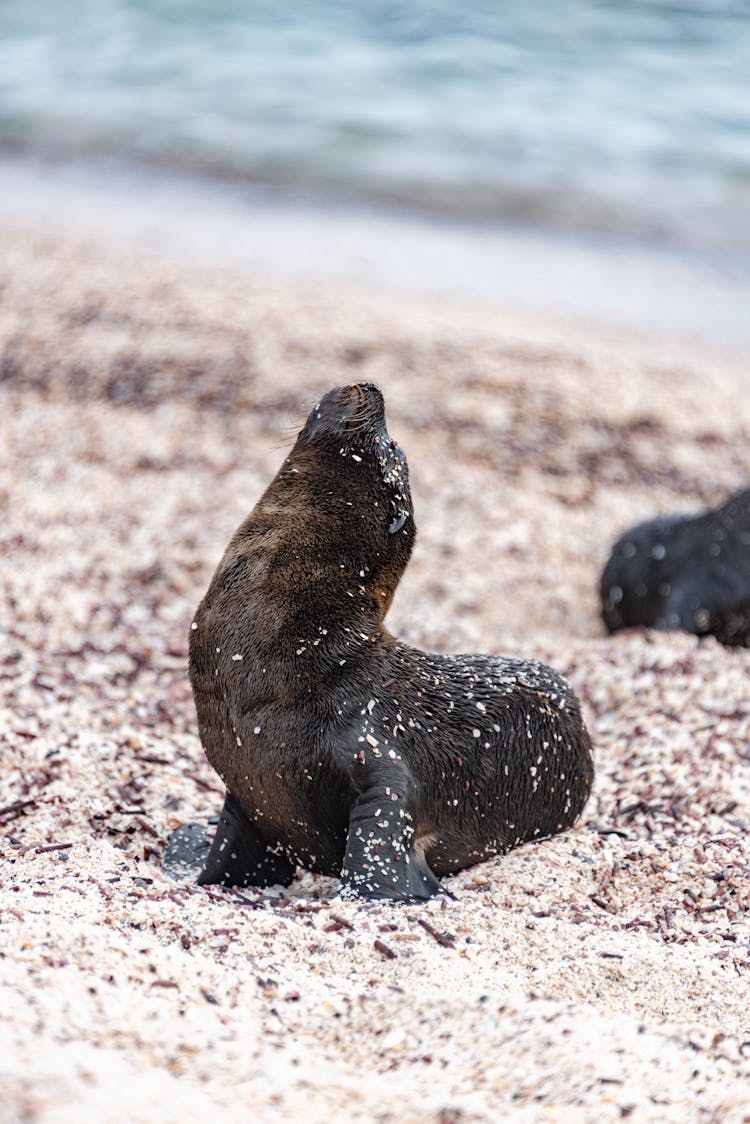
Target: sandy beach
(598,976)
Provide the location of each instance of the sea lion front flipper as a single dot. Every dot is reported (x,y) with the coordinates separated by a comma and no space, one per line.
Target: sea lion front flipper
(239,855)
(380,859)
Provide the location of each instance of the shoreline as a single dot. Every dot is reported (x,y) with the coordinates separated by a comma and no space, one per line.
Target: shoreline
(605,282)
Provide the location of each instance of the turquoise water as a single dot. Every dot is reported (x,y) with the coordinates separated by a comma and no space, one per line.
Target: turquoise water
(632,118)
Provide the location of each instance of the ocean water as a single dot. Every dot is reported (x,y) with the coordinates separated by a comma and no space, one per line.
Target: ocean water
(629,117)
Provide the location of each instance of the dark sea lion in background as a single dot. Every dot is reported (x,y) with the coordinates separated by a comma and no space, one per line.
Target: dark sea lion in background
(342,750)
(684,572)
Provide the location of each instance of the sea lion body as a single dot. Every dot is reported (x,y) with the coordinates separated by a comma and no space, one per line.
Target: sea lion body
(684,572)
(343,750)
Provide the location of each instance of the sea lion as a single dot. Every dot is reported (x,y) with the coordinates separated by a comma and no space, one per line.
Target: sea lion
(343,750)
(689,572)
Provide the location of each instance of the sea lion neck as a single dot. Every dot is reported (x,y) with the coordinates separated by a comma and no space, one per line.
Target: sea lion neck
(315,565)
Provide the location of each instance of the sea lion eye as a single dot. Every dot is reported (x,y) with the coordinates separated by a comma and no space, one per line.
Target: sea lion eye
(398,522)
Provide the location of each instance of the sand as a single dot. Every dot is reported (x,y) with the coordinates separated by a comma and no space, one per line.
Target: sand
(596,976)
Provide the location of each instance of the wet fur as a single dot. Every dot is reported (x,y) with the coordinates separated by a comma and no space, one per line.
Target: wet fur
(345,751)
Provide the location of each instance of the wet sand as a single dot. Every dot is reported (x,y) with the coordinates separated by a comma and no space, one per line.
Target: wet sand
(596,976)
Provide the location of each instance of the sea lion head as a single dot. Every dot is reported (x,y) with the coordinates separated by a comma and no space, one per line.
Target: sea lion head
(352,419)
(356,483)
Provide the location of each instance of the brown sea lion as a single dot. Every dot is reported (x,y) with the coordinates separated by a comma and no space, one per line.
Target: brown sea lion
(343,750)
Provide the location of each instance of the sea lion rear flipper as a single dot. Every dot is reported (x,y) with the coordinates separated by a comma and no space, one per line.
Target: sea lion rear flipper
(186,851)
(380,860)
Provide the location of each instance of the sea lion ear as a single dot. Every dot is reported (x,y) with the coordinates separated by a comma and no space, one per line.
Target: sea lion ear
(398,522)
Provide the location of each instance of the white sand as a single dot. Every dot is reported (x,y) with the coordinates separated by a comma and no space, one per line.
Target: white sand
(593,977)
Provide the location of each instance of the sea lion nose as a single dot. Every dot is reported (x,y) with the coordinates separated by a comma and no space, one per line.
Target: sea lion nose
(358,403)
(353,399)
(369,392)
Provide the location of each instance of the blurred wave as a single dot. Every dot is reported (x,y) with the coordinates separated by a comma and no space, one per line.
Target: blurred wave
(630,117)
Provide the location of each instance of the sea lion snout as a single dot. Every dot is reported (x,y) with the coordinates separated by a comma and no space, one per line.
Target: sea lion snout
(357,408)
